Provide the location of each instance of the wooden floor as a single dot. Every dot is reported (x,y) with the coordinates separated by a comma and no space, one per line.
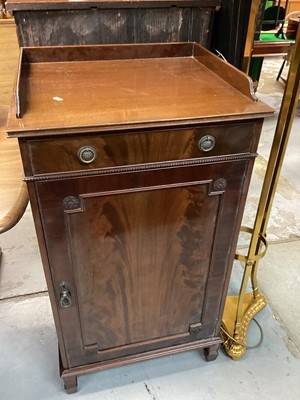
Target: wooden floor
(9,54)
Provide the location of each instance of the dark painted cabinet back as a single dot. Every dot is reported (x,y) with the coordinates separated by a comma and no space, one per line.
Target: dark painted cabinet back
(61,22)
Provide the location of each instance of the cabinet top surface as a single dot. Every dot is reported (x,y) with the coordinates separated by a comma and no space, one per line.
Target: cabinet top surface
(94,88)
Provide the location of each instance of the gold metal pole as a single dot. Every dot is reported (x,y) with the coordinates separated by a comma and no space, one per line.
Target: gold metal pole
(240,310)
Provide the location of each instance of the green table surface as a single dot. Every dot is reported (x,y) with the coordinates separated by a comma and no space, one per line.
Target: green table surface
(270,37)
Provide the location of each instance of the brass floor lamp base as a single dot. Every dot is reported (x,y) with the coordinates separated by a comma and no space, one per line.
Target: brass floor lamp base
(235,338)
(240,310)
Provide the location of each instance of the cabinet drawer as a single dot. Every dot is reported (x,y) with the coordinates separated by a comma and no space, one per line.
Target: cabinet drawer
(110,150)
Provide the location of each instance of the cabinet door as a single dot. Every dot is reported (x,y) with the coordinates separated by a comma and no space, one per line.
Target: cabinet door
(139,260)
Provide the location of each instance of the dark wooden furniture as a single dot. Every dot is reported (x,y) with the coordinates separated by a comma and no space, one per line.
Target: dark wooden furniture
(264,48)
(137,160)
(267,46)
(230,30)
(61,22)
(269,39)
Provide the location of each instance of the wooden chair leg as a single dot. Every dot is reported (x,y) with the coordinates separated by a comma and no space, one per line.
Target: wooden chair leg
(280,71)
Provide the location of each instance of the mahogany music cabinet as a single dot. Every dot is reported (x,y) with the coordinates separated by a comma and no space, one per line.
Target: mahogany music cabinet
(138,160)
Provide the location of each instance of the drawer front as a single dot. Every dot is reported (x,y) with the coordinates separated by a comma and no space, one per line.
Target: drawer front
(122,149)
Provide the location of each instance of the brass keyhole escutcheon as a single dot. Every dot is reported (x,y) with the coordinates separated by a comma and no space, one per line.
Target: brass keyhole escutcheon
(206,143)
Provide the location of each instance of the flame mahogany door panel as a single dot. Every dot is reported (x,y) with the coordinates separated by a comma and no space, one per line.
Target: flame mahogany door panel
(142,257)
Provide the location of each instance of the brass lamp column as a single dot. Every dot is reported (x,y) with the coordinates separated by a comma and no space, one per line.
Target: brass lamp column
(241,309)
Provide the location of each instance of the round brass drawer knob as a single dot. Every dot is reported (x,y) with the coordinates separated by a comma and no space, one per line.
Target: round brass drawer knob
(206,143)
(86,154)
